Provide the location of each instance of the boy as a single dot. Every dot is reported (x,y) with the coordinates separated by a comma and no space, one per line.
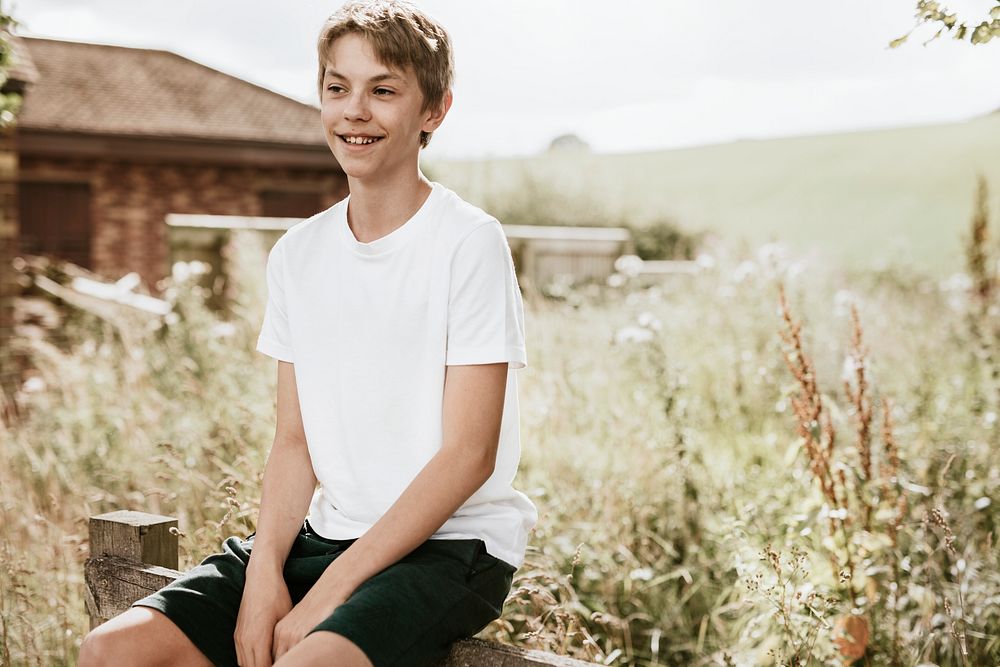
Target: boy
(397,322)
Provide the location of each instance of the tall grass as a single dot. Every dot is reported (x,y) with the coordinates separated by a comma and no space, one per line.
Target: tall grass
(763,463)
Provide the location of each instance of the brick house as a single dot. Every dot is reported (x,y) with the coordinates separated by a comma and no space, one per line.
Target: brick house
(110,140)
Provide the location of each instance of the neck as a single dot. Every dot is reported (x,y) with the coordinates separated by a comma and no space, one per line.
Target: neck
(376,208)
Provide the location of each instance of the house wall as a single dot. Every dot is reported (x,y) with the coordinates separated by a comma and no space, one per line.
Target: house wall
(9,367)
(130,201)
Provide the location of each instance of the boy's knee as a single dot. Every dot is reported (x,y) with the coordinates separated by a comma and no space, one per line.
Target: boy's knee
(136,637)
(98,648)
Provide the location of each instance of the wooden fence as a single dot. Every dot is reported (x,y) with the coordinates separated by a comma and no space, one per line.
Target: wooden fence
(542,254)
(133,554)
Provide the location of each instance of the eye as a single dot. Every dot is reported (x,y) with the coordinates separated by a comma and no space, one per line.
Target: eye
(332,86)
(386,91)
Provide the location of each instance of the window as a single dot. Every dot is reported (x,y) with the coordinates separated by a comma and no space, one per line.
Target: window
(55,220)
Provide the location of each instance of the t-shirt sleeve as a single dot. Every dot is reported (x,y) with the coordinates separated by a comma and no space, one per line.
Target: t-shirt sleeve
(485,310)
(275,338)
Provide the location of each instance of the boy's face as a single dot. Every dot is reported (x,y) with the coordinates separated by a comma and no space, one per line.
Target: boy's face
(375,106)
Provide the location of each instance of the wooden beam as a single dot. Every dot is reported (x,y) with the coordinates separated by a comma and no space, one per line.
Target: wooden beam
(135,536)
(117,574)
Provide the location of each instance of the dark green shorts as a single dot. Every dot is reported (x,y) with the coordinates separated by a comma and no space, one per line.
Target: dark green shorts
(407,614)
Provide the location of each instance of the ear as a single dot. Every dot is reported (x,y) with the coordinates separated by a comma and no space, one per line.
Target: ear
(436,116)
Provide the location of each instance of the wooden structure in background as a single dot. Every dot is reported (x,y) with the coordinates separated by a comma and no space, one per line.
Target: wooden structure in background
(133,554)
(544,254)
(541,254)
(112,139)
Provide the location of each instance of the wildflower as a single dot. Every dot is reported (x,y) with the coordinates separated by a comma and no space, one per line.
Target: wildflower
(649,321)
(772,254)
(223,330)
(632,334)
(180,271)
(843,300)
(629,265)
(743,271)
(33,384)
(705,261)
(956,282)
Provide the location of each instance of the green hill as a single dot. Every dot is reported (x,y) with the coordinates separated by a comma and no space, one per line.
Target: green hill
(861,198)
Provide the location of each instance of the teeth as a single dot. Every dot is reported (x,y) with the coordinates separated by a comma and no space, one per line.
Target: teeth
(360,140)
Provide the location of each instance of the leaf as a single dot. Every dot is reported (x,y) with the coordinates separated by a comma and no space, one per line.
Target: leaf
(851,636)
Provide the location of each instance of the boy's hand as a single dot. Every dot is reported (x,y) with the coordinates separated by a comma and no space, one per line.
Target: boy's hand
(307,614)
(265,602)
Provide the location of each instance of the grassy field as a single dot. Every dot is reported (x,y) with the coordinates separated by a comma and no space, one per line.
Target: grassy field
(861,199)
(714,488)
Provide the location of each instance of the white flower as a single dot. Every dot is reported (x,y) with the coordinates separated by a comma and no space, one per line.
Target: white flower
(771,253)
(956,282)
(648,320)
(33,384)
(643,573)
(223,330)
(180,271)
(171,318)
(630,265)
(849,368)
(633,335)
(199,268)
(843,300)
(743,271)
(705,261)
(616,280)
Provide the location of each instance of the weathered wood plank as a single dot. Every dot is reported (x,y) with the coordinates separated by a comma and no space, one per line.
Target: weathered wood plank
(136,536)
(481,653)
(114,583)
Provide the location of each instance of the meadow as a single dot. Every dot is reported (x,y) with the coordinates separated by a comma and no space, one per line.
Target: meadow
(860,200)
(770,461)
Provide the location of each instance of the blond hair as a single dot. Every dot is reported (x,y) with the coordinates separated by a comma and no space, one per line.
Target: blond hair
(401,35)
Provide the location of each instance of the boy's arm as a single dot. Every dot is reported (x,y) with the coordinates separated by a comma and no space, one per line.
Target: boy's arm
(287,487)
(472,412)
(288,484)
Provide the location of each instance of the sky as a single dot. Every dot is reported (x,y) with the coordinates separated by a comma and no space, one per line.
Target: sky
(627,76)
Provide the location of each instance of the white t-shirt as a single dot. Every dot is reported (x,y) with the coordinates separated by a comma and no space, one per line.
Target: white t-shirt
(370,328)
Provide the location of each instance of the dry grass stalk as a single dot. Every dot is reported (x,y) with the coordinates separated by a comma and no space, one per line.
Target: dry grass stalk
(808,408)
(936,516)
(818,441)
(863,408)
(871,490)
(978,256)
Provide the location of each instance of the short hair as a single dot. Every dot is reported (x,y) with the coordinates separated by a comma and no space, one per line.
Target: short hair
(401,35)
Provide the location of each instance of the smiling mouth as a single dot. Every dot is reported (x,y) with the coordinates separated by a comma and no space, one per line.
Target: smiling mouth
(358,140)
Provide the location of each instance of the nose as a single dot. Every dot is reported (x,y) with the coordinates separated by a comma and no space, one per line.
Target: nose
(356,107)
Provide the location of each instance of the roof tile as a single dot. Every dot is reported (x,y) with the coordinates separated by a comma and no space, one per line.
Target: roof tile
(106,89)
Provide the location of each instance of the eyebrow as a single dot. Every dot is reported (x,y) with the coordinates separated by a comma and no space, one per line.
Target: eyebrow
(385,76)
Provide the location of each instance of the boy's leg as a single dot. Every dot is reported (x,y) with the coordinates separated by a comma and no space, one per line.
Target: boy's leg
(410,613)
(323,649)
(139,636)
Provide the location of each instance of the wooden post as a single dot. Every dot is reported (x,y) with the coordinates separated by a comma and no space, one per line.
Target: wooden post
(133,554)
